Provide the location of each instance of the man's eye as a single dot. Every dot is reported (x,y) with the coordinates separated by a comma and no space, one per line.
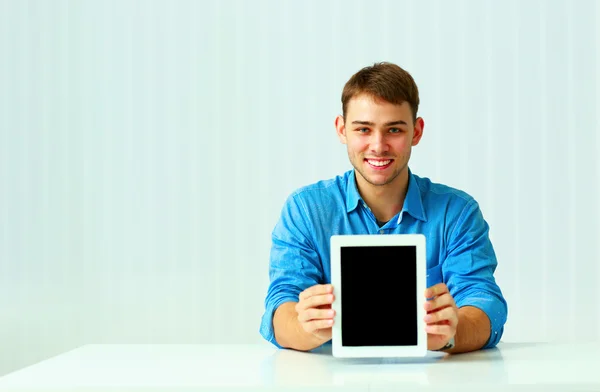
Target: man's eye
(363,130)
(395,130)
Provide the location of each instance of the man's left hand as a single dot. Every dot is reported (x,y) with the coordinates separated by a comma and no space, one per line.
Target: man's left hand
(441,318)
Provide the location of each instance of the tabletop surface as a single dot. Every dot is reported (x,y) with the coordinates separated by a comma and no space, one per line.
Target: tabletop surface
(262,367)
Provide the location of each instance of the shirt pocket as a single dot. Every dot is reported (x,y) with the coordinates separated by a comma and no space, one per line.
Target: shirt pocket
(434,275)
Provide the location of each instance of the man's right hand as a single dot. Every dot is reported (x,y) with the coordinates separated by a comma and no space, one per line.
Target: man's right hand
(314,310)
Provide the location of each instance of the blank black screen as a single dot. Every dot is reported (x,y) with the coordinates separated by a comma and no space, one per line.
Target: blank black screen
(379,304)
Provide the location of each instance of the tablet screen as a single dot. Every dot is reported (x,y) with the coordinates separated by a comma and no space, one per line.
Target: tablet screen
(379,295)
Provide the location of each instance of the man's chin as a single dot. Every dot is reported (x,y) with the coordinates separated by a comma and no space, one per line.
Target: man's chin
(379,183)
(377,180)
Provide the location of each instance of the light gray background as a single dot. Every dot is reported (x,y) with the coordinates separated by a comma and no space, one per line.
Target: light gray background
(146,149)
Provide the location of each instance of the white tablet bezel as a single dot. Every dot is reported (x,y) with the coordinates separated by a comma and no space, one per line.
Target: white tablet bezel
(339,241)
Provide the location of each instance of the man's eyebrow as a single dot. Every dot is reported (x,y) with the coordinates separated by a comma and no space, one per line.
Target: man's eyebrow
(398,122)
(363,122)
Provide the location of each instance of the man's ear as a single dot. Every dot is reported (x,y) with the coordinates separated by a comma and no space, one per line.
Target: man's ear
(418,131)
(340,128)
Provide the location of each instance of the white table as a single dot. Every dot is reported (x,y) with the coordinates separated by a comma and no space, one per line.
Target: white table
(522,366)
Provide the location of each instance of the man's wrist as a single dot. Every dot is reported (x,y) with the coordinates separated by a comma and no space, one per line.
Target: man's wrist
(448,346)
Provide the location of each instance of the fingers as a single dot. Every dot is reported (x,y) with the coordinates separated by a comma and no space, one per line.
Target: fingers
(318,289)
(438,297)
(316,325)
(315,314)
(314,309)
(440,302)
(440,329)
(314,302)
(442,313)
(446,316)
(436,290)
(315,296)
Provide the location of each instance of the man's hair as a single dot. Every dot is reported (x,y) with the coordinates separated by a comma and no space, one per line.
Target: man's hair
(385,81)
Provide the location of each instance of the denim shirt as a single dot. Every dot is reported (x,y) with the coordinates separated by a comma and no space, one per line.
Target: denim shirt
(459,251)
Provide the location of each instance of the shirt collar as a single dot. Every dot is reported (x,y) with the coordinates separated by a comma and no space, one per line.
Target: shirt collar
(413,204)
(352,195)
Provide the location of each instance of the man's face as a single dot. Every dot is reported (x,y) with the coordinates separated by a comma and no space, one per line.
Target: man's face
(379,136)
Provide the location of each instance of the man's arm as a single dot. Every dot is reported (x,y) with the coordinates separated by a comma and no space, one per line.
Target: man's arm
(288,331)
(468,271)
(473,330)
(294,266)
(306,324)
(469,326)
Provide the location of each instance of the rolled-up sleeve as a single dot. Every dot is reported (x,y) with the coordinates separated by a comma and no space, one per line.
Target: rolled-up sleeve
(294,264)
(468,269)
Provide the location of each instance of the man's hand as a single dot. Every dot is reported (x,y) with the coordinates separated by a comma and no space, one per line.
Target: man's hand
(314,311)
(441,318)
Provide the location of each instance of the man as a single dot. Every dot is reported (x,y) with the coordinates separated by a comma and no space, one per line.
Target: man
(465,308)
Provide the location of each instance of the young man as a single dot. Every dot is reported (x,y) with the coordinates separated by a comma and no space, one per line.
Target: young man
(465,308)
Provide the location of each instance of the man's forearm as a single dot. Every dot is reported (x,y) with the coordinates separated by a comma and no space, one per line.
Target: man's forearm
(289,332)
(473,330)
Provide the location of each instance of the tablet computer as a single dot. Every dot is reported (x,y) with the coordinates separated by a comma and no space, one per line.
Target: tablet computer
(379,284)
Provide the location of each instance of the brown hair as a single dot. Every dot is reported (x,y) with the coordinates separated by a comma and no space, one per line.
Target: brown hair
(385,81)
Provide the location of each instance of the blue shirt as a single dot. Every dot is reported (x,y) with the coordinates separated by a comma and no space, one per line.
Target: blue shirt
(459,251)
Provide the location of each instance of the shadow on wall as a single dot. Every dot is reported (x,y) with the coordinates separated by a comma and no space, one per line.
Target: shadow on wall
(20,350)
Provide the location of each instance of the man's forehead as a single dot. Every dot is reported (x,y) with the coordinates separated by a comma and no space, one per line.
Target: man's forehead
(368,105)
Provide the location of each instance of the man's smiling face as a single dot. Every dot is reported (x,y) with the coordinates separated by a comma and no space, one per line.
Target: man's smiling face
(379,136)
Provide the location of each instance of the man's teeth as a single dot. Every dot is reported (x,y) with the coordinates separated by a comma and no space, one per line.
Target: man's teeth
(379,163)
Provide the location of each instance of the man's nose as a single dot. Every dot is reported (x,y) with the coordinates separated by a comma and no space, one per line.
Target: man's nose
(378,143)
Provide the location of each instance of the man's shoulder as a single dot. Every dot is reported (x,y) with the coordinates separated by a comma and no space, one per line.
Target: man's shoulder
(438,192)
(331,187)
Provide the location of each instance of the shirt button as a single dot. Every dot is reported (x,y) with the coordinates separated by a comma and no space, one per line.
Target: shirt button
(380,231)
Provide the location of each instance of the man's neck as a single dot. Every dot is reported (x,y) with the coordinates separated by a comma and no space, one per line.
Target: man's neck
(385,201)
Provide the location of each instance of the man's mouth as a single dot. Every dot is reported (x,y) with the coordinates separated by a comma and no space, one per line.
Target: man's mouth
(379,163)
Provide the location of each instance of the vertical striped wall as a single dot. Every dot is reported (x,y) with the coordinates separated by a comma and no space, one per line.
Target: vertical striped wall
(146,148)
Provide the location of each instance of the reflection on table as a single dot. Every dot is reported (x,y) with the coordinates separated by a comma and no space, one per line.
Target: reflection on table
(258,367)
